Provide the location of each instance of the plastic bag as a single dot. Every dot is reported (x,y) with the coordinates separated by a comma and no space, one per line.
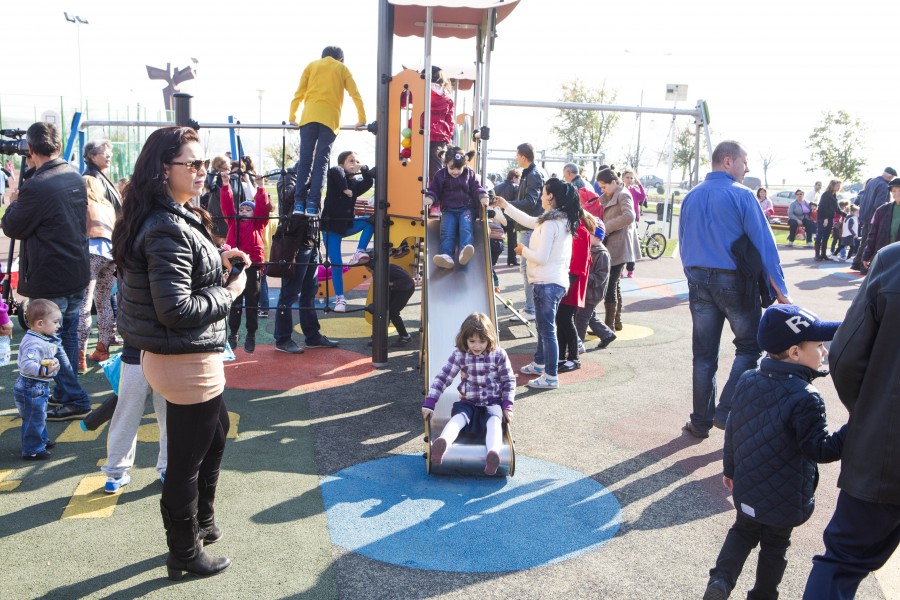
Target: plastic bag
(112,368)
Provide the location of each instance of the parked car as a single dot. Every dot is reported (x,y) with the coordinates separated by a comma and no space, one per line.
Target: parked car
(782,198)
(651,181)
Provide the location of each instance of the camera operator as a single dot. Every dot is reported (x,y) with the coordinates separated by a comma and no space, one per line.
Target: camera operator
(49,216)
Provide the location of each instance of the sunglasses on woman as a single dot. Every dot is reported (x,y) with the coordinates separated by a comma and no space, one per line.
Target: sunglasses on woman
(193,165)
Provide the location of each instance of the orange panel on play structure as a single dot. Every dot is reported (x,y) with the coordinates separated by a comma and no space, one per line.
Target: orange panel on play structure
(407,102)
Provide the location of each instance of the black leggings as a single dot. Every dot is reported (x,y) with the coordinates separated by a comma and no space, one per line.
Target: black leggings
(566,334)
(397,302)
(612,290)
(196,443)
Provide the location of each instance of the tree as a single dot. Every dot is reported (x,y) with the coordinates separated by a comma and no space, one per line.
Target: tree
(634,156)
(584,131)
(768,159)
(684,152)
(291,153)
(834,145)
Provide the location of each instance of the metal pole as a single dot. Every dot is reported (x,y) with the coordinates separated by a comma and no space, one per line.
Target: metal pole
(382,273)
(426,115)
(182,109)
(590,106)
(486,91)
(259,156)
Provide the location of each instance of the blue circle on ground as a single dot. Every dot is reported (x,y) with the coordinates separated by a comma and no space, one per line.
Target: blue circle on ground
(391,510)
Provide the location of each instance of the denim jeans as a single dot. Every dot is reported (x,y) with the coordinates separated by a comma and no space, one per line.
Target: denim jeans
(456,226)
(714,296)
(546,303)
(305,284)
(68,390)
(524,239)
(333,250)
(315,151)
(859,539)
(742,538)
(31,398)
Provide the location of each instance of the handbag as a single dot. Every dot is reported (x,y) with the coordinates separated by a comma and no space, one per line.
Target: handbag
(283,254)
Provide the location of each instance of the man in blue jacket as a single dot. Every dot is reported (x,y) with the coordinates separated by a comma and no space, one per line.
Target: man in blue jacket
(714,215)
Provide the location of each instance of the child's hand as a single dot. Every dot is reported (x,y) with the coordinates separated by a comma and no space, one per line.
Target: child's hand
(519,248)
(484,200)
(728,483)
(426,413)
(348,193)
(507,416)
(52,367)
(260,181)
(428,201)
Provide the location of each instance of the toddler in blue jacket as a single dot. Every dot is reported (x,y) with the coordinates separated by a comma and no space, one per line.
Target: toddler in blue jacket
(775,434)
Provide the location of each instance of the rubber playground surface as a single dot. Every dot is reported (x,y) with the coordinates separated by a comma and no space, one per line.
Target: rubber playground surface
(324,493)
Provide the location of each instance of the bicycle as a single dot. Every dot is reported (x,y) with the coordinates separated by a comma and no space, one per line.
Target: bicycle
(653,244)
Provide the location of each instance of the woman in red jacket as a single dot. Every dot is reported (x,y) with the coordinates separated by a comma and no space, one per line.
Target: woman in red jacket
(579,267)
(245,232)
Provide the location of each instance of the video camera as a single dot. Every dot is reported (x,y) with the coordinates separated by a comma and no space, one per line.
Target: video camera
(16,145)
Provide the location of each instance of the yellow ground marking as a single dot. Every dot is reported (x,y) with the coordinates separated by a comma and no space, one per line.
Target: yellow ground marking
(8,486)
(101,462)
(629,332)
(90,501)
(74,433)
(9,423)
(148,432)
(345,327)
(235,420)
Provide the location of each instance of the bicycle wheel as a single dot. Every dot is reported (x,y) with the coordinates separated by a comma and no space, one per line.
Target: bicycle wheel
(656,245)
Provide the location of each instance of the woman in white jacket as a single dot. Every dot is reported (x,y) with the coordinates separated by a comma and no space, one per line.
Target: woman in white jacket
(548,255)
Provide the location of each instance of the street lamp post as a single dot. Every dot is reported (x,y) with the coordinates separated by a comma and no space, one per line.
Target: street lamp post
(260,156)
(79,21)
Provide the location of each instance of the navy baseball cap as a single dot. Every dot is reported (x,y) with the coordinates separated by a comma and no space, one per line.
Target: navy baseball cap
(786,325)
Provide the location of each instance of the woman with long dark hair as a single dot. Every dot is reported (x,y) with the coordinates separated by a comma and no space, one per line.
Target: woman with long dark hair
(548,254)
(173,308)
(619,218)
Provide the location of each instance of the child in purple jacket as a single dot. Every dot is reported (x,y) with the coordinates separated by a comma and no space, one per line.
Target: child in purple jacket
(457,192)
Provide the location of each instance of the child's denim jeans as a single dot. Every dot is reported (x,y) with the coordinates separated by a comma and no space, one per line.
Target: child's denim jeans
(31,399)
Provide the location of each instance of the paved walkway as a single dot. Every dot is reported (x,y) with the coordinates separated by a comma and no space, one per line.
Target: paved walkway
(324,492)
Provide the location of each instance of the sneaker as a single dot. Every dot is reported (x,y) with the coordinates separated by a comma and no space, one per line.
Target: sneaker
(232,342)
(532,368)
(250,343)
(50,445)
(491,463)
(360,257)
(444,261)
(263,313)
(568,365)
(544,382)
(290,347)
(437,450)
(581,348)
(162,477)
(400,251)
(340,305)
(42,455)
(629,275)
(312,211)
(113,484)
(54,401)
(403,340)
(791,243)
(322,342)
(716,590)
(67,413)
(299,209)
(434,211)
(527,315)
(466,254)
(690,429)
(604,343)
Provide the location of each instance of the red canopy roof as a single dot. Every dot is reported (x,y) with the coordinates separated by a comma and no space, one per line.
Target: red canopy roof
(461,12)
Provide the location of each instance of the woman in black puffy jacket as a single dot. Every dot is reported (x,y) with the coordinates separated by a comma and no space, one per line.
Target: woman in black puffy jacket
(172,307)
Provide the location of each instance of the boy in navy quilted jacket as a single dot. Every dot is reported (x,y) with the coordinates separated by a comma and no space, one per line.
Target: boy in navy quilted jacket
(774,436)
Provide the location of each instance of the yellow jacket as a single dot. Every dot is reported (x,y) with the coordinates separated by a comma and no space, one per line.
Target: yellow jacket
(321,90)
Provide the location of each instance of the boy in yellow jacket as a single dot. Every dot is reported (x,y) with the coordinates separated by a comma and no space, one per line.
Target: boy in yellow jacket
(321,90)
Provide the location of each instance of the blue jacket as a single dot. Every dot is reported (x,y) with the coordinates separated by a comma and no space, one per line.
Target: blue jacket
(775,434)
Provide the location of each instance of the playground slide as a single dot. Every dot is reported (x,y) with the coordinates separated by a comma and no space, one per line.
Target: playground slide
(450,296)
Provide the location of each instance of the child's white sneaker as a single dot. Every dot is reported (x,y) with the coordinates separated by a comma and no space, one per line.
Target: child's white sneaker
(491,463)
(438,447)
(544,382)
(340,305)
(434,211)
(532,368)
(466,254)
(444,261)
(359,257)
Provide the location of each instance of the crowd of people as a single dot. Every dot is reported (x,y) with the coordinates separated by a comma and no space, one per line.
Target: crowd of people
(186,277)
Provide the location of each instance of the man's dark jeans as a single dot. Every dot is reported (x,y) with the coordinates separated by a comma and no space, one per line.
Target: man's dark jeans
(742,538)
(68,390)
(717,295)
(305,284)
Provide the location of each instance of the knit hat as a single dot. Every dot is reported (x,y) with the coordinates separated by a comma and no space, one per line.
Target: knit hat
(248,203)
(890,171)
(786,325)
